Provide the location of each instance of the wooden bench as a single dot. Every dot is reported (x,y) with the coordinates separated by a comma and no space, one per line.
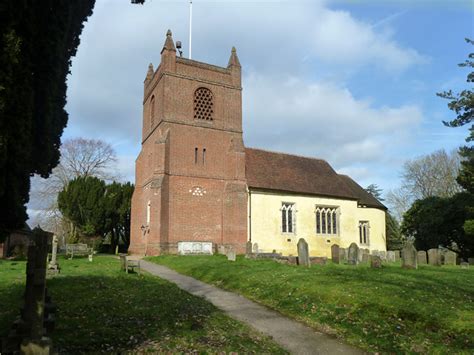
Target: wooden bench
(129,264)
(78,249)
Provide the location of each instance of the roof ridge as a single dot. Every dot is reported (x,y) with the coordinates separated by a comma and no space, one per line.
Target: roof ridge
(294,155)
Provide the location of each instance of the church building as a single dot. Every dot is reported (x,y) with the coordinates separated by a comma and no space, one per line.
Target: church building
(199,189)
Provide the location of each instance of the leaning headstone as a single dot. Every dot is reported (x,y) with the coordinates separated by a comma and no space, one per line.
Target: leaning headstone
(342,255)
(390,256)
(450,258)
(375,261)
(303,253)
(231,254)
(434,257)
(335,253)
(421,257)
(352,258)
(53,266)
(409,257)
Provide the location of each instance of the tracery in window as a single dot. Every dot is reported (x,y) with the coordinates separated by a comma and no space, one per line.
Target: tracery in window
(288,217)
(327,219)
(203,104)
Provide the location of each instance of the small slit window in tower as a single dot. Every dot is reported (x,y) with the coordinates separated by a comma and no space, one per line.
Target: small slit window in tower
(152,111)
(203,104)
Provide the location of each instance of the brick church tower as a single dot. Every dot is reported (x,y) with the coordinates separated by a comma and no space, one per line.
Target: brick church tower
(190,174)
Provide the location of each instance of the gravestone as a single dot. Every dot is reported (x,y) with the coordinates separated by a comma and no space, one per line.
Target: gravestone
(375,261)
(231,254)
(53,266)
(303,253)
(352,257)
(421,257)
(255,248)
(450,258)
(365,258)
(342,255)
(335,253)
(397,255)
(464,265)
(390,256)
(248,248)
(434,257)
(409,257)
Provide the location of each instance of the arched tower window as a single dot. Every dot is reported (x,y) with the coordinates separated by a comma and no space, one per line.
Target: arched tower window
(203,104)
(152,111)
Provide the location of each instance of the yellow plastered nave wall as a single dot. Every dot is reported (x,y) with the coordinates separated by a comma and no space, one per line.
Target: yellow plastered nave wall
(265,223)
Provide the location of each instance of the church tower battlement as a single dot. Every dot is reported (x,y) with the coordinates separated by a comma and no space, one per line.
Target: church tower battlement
(190,174)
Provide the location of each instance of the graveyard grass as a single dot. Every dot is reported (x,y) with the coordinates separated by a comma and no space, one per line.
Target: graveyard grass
(102,309)
(388,310)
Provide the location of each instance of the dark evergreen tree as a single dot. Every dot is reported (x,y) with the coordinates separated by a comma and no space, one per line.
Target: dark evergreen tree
(37,41)
(375,191)
(436,221)
(392,232)
(117,203)
(83,203)
(462,104)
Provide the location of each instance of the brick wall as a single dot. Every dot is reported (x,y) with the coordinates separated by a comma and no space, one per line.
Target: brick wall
(190,171)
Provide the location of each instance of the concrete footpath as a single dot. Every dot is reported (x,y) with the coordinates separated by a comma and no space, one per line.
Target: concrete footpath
(291,335)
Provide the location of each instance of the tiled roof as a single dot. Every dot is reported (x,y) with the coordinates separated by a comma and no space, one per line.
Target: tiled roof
(297,174)
(363,196)
(292,173)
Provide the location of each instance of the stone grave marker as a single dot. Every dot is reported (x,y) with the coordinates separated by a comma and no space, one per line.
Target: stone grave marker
(390,256)
(248,248)
(450,258)
(352,258)
(255,248)
(53,266)
(434,257)
(231,254)
(409,257)
(342,255)
(470,261)
(335,253)
(464,265)
(421,257)
(397,255)
(375,261)
(365,258)
(303,253)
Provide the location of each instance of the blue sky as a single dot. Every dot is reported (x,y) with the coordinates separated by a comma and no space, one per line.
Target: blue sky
(352,82)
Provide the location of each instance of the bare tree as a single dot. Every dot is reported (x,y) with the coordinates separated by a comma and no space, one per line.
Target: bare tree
(429,175)
(79,157)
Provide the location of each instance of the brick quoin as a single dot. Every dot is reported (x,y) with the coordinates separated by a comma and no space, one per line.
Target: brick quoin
(190,172)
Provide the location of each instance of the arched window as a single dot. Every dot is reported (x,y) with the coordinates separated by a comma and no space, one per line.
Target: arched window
(364,229)
(152,111)
(327,220)
(203,105)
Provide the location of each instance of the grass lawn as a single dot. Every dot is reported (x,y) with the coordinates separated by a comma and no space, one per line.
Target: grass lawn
(389,310)
(101,309)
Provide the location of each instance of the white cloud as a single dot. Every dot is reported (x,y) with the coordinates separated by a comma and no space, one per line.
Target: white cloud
(323,120)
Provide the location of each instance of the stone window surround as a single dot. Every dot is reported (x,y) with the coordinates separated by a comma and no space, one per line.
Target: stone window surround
(285,207)
(364,227)
(336,211)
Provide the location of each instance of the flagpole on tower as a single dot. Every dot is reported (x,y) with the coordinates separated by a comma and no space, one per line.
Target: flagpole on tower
(190,27)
